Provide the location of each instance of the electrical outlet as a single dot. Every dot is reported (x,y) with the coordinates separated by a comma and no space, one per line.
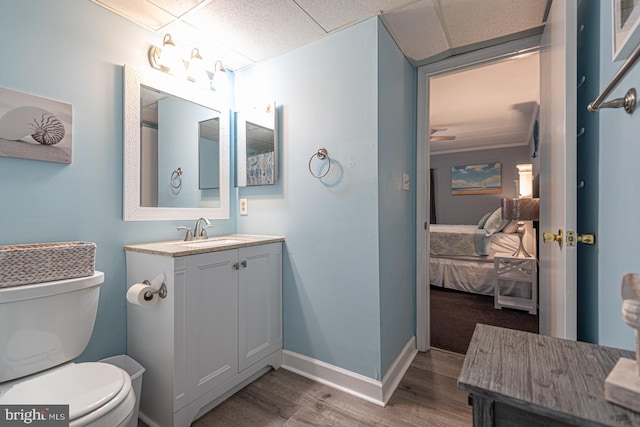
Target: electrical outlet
(405,181)
(244,207)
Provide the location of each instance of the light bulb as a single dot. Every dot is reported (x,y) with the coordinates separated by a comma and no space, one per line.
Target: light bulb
(219,83)
(196,70)
(170,57)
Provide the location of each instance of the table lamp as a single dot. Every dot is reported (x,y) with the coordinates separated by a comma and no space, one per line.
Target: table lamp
(523,209)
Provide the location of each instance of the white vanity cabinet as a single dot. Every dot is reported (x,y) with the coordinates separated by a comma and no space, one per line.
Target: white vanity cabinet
(219,328)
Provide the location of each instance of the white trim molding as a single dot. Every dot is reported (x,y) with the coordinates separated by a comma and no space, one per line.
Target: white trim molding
(374,391)
(423,153)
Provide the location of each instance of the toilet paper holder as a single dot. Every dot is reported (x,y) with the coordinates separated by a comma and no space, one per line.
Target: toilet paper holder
(162,292)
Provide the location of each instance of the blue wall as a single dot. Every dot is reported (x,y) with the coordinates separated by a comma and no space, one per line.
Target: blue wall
(619,192)
(73,51)
(340,281)
(328,96)
(397,92)
(327,92)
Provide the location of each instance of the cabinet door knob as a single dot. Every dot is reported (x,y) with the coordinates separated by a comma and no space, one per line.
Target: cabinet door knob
(244,263)
(236,266)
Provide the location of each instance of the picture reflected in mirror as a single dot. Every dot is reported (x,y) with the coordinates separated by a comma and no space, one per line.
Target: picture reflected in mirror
(260,151)
(257,146)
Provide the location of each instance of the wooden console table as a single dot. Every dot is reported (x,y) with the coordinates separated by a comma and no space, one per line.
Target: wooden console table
(517,378)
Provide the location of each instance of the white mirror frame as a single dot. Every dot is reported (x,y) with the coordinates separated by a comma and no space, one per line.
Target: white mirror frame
(132,211)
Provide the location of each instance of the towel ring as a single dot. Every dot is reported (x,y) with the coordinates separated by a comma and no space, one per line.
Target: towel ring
(321,154)
(176,178)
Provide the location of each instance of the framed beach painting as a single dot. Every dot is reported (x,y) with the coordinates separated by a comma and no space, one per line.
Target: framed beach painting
(36,128)
(476,179)
(626,27)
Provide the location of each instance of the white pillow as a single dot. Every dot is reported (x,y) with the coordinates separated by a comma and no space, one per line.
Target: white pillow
(484,219)
(495,223)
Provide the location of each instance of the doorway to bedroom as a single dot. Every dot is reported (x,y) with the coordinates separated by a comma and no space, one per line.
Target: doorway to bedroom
(482,131)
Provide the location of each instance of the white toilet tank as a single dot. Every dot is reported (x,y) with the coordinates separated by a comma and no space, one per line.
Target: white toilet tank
(45,324)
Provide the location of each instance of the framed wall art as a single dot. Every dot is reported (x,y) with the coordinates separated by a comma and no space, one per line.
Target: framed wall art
(36,128)
(476,179)
(626,27)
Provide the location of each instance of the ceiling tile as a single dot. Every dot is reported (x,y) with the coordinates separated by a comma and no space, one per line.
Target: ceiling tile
(257,28)
(417,30)
(333,14)
(244,32)
(140,11)
(177,7)
(472,21)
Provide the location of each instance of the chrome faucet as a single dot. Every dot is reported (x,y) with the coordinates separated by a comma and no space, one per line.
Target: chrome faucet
(188,237)
(200,231)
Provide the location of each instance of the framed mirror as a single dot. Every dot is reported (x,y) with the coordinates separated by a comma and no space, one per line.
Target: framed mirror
(257,146)
(176,150)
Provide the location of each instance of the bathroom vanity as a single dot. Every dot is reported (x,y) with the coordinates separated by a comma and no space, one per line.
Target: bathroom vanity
(218,329)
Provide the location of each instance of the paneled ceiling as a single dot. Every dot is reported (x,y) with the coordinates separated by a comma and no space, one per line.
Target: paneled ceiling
(243,32)
(500,101)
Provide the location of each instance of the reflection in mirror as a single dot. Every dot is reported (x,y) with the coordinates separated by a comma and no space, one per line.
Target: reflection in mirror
(169,124)
(176,151)
(257,146)
(209,154)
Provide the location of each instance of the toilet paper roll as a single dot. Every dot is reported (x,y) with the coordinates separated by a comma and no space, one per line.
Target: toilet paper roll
(135,295)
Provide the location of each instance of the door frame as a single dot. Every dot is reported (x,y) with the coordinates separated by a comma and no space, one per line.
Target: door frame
(455,63)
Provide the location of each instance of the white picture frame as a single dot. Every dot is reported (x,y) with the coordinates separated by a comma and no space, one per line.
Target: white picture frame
(626,27)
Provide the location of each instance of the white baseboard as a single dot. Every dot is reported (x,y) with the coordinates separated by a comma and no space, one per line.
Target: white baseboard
(397,369)
(374,391)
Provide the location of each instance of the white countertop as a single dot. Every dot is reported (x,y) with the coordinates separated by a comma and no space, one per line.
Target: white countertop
(178,248)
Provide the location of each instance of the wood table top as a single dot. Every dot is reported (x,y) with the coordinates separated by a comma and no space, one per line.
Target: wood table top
(550,376)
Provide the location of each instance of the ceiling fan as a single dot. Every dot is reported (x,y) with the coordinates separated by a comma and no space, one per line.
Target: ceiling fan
(434,138)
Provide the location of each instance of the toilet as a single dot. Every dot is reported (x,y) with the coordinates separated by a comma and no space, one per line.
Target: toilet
(43,327)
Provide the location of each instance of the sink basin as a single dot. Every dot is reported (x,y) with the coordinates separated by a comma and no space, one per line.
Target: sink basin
(207,243)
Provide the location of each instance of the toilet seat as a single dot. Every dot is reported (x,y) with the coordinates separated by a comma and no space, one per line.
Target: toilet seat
(95,392)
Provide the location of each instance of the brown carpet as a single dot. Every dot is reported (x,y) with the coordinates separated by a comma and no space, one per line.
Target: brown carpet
(454,316)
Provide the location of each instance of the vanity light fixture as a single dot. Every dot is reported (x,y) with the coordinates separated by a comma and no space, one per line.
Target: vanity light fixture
(168,59)
(219,83)
(197,71)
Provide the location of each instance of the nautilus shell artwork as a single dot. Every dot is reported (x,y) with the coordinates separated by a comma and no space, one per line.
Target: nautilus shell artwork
(36,122)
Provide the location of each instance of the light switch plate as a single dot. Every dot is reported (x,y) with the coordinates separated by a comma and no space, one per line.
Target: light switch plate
(405,181)
(244,207)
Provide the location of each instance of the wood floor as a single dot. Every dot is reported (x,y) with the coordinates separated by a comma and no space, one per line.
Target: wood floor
(426,396)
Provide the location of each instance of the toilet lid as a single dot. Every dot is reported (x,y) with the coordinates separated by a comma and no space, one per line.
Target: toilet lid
(85,387)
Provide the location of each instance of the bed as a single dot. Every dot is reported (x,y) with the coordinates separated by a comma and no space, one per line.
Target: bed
(461,256)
